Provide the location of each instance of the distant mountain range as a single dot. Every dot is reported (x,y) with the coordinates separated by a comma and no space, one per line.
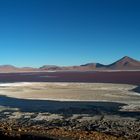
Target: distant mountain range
(125,63)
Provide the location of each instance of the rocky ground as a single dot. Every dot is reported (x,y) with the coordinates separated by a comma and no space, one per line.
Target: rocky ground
(72,127)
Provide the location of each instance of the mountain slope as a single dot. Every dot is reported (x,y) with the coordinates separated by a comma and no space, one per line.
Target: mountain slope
(88,66)
(93,65)
(125,63)
(6,68)
(10,68)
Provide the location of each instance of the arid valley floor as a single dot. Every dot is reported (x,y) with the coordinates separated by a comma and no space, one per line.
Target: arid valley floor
(70,105)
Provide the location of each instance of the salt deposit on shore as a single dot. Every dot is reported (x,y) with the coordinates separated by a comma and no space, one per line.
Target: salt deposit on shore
(71,91)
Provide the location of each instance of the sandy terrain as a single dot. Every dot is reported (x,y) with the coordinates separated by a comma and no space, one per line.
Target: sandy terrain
(73,92)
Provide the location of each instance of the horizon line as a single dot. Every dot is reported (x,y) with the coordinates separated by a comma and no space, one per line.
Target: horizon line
(14,65)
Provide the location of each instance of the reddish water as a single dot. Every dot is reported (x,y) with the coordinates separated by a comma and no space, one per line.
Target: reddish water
(129,77)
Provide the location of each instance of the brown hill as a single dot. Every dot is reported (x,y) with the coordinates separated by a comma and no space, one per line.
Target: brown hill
(10,68)
(88,66)
(125,63)
(50,67)
(6,68)
(93,65)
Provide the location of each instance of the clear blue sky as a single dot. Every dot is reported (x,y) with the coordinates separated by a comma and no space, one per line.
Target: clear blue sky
(68,32)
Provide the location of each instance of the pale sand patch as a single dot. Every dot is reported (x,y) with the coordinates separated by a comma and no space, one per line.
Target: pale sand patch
(72,92)
(18,115)
(47,117)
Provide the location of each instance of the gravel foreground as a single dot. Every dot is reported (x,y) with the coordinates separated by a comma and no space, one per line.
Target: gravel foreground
(60,134)
(75,127)
(98,119)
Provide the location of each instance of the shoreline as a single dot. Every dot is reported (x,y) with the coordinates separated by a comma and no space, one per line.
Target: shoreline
(77,93)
